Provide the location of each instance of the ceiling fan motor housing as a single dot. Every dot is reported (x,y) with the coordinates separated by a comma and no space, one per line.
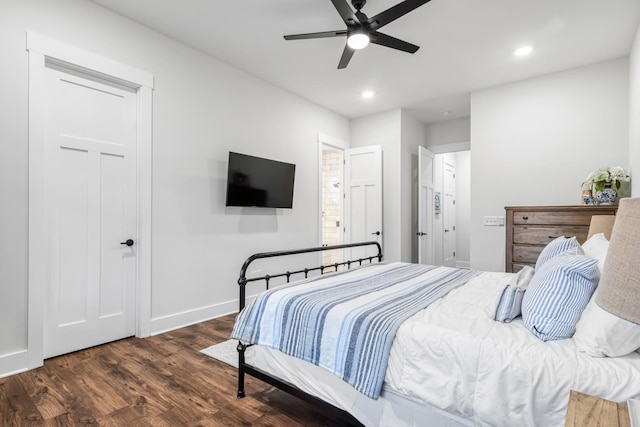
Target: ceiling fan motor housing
(358,4)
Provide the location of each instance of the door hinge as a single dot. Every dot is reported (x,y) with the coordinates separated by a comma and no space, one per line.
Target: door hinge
(454,228)
(454,253)
(454,201)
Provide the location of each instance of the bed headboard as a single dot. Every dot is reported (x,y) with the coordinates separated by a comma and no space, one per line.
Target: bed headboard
(619,288)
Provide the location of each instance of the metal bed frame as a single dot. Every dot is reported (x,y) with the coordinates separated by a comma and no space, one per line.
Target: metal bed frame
(244,368)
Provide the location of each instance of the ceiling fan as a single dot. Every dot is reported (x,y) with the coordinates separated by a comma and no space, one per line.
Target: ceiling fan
(362,30)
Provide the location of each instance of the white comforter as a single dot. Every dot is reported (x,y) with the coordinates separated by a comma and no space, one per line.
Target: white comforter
(455,357)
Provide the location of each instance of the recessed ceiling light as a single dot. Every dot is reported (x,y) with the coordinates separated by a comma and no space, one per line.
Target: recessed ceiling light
(368,94)
(523,51)
(446,113)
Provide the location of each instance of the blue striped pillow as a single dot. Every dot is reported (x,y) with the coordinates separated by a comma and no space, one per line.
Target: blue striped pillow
(558,293)
(558,246)
(510,304)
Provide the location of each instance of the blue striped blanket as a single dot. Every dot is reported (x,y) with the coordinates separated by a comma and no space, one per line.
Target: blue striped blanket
(345,322)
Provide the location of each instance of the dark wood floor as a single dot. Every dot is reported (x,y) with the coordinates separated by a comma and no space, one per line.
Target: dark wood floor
(158,381)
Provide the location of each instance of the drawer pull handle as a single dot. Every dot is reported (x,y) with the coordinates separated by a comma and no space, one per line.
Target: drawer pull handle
(525,218)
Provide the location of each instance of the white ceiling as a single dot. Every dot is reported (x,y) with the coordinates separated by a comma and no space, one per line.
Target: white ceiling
(465,45)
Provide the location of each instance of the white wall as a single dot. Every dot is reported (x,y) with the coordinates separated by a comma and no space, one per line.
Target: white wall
(448,132)
(533,143)
(202,108)
(634,114)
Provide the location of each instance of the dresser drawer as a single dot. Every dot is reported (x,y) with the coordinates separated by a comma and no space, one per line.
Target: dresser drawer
(517,267)
(543,235)
(526,254)
(552,218)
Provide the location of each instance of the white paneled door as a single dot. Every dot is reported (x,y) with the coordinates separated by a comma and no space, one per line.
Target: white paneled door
(426,184)
(90,194)
(363,197)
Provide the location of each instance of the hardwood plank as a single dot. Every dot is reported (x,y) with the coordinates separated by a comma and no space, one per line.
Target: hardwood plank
(17,406)
(158,381)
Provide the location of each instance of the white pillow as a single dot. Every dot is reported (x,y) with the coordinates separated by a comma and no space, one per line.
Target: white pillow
(596,247)
(602,334)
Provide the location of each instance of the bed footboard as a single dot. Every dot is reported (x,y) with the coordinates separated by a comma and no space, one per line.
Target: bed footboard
(244,368)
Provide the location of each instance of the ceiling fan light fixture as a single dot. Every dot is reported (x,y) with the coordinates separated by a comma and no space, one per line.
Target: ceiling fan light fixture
(358,40)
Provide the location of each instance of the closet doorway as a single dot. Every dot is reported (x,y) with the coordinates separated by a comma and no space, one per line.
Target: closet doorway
(77,101)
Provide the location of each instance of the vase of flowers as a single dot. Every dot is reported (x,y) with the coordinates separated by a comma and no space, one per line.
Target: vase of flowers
(604,184)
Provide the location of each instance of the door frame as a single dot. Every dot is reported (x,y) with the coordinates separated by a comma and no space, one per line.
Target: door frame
(42,50)
(448,160)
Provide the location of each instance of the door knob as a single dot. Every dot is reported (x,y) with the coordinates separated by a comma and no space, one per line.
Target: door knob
(420,233)
(377,233)
(129,242)
(446,231)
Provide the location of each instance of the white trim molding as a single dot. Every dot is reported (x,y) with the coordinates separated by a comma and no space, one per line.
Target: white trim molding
(191,317)
(13,363)
(89,61)
(43,50)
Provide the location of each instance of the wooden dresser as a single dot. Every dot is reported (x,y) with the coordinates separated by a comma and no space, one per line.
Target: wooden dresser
(530,228)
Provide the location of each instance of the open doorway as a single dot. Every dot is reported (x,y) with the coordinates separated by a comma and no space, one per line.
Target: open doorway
(331,201)
(444,208)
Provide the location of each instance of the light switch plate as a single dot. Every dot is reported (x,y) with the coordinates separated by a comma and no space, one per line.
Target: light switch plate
(491,221)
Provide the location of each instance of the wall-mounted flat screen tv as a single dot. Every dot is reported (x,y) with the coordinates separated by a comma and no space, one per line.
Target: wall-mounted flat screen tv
(257,182)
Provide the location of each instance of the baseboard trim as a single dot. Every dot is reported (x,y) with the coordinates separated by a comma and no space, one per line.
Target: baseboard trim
(463,264)
(14,363)
(180,320)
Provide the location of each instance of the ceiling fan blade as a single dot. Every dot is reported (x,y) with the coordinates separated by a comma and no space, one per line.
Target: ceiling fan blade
(392,42)
(346,12)
(320,35)
(394,12)
(346,57)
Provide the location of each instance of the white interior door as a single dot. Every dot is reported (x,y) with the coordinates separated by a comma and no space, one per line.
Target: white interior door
(449,210)
(426,184)
(363,197)
(90,194)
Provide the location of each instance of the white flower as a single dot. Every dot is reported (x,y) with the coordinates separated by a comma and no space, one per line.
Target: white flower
(597,179)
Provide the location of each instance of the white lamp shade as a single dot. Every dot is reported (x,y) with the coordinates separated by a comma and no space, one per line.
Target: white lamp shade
(619,288)
(601,224)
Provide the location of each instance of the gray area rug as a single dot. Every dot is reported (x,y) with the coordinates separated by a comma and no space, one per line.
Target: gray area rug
(225,352)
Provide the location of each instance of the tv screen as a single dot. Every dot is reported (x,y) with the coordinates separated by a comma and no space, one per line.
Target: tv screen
(257,182)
